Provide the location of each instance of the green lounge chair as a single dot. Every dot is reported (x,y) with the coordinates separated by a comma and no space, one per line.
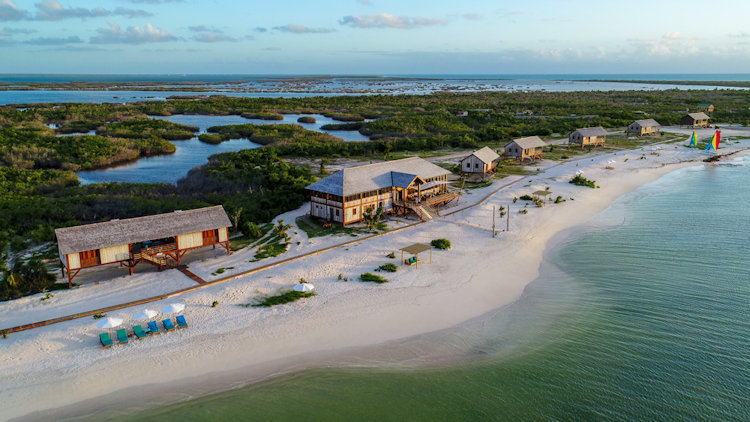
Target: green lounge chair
(122,336)
(168,325)
(181,323)
(106,341)
(139,333)
(153,327)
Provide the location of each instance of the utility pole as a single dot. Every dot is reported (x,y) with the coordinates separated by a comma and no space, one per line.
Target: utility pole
(507,228)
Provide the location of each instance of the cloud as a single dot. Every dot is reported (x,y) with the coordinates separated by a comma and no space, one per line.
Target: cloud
(670,44)
(213,37)
(301,29)
(271,49)
(472,16)
(9,11)
(133,35)
(54,41)
(132,13)
(52,10)
(365,2)
(260,29)
(386,20)
(19,30)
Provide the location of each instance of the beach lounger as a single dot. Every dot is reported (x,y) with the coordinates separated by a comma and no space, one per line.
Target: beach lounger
(168,325)
(153,327)
(122,336)
(139,333)
(181,323)
(106,341)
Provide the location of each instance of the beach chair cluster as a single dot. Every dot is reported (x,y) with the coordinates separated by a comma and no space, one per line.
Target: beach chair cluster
(140,333)
(411,261)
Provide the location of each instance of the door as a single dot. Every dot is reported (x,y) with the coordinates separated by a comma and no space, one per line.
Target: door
(89,258)
(210,237)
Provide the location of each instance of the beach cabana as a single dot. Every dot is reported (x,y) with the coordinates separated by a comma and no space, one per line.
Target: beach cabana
(594,136)
(542,194)
(694,120)
(415,250)
(161,240)
(481,161)
(530,147)
(644,127)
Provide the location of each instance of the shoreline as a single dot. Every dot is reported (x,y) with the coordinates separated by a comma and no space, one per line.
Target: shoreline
(343,318)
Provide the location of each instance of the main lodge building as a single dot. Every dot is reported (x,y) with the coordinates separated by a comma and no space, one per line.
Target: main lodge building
(396,186)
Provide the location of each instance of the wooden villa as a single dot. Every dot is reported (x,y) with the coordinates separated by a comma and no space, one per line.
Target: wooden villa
(530,147)
(482,161)
(399,186)
(594,136)
(706,108)
(161,240)
(694,120)
(644,127)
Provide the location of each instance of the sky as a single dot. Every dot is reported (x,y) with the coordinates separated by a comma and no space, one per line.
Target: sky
(374,37)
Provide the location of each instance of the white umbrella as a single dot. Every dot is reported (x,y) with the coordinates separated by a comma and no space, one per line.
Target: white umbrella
(109,322)
(579,172)
(304,287)
(173,308)
(145,314)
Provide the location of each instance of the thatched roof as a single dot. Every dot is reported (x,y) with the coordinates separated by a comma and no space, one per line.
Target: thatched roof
(485,155)
(528,142)
(591,131)
(647,123)
(698,116)
(416,248)
(133,230)
(400,173)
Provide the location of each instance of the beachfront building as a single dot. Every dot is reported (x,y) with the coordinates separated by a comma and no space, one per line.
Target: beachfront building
(482,161)
(594,136)
(529,147)
(706,108)
(398,186)
(161,240)
(694,120)
(644,127)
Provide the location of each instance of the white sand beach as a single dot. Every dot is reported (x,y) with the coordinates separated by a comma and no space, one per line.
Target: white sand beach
(60,370)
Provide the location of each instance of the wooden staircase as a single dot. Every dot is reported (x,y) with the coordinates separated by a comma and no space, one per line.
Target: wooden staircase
(162,262)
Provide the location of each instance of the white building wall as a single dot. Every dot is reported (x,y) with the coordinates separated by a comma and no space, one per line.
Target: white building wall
(74,260)
(223,234)
(190,240)
(114,254)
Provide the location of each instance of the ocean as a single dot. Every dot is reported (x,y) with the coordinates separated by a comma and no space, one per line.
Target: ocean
(643,313)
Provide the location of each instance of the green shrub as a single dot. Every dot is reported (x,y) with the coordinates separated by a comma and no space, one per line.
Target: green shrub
(391,255)
(372,277)
(579,180)
(5,333)
(559,199)
(280,299)
(527,198)
(389,267)
(441,243)
(99,316)
(215,303)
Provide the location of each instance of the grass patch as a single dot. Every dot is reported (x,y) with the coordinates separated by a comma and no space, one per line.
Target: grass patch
(441,243)
(389,267)
(274,246)
(373,278)
(244,241)
(280,299)
(579,180)
(314,228)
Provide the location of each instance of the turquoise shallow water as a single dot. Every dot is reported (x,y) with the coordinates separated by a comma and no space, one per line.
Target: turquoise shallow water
(642,315)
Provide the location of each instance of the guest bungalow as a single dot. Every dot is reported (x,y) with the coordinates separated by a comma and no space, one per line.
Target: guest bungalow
(530,147)
(644,127)
(161,240)
(594,136)
(397,186)
(482,161)
(694,120)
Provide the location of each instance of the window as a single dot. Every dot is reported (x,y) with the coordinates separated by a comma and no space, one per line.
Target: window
(476,165)
(210,237)
(354,211)
(89,258)
(337,212)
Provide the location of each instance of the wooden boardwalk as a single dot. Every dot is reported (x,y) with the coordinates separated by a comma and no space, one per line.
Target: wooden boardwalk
(183,269)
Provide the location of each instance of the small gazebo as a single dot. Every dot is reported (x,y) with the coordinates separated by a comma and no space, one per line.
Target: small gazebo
(415,250)
(543,194)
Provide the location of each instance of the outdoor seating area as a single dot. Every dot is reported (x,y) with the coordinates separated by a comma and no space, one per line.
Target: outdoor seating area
(415,250)
(139,332)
